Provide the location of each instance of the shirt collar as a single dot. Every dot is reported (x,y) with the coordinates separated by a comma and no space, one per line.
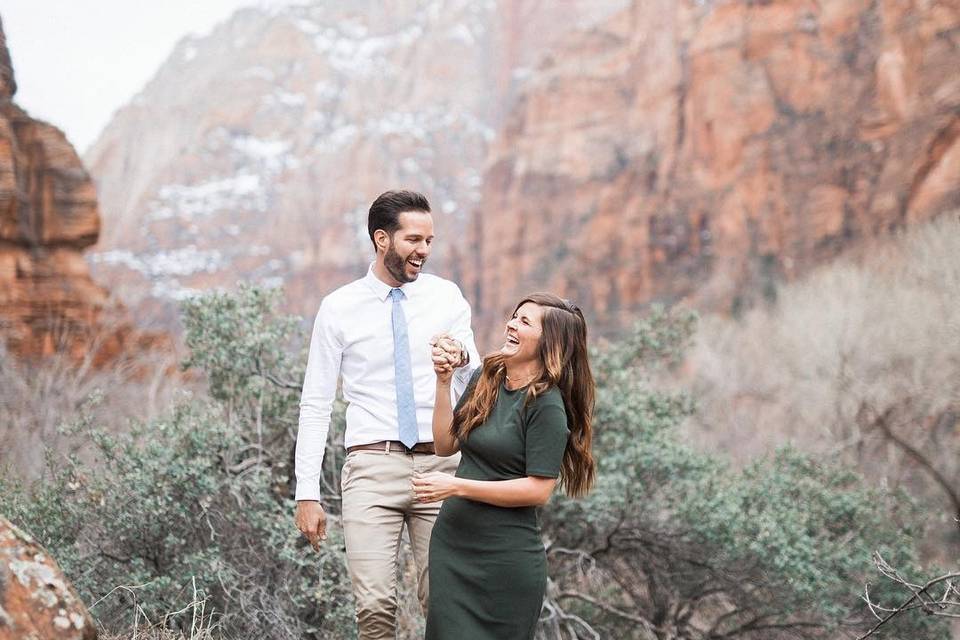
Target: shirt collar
(381,289)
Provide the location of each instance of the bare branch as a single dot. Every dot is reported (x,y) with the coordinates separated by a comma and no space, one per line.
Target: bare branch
(882,422)
(920,598)
(283,384)
(606,607)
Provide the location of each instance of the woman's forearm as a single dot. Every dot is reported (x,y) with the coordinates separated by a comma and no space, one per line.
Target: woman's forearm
(443,441)
(519,492)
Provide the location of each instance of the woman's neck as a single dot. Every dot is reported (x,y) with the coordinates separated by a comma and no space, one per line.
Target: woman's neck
(521,374)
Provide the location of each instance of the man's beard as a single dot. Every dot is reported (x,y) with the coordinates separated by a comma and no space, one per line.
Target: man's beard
(395,265)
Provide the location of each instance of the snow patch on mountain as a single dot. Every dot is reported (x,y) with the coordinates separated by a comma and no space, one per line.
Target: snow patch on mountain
(188,201)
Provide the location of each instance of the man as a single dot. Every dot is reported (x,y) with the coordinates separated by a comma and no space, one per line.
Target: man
(376,332)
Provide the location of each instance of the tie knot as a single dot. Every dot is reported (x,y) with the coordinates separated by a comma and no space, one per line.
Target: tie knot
(396,294)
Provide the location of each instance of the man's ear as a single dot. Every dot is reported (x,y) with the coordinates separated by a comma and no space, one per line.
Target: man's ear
(382,239)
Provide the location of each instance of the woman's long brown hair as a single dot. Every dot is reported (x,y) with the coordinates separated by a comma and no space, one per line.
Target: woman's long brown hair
(564,364)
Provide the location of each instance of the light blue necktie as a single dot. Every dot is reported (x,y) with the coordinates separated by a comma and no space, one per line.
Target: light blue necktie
(406,407)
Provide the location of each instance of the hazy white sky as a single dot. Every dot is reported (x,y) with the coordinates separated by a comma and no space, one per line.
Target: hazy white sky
(77,61)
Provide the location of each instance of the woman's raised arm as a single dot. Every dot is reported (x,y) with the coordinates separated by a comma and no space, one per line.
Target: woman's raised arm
(443,441)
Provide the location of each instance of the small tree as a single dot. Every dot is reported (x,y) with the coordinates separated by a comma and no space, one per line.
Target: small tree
(253,359)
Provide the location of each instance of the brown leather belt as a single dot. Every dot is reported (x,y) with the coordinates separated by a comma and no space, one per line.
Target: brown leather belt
(386,446)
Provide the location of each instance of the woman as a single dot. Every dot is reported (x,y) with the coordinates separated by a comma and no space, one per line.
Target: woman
(523,422)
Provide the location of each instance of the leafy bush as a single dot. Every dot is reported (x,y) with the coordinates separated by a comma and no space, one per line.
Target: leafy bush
(242,345)
(160,513)
(673,543)
(201,499)
(858,361)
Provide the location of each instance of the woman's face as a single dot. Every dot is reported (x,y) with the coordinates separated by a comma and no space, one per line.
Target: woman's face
(523,333)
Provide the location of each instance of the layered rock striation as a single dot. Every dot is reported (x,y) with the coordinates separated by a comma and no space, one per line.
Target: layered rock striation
(48,217)
(703,151)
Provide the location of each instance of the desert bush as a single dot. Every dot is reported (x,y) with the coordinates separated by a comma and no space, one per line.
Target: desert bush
(859,361)
(37,395)
(243,348)
(160,513)
(675,543)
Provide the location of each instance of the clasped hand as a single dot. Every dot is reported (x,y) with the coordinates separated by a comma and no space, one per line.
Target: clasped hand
(447,355)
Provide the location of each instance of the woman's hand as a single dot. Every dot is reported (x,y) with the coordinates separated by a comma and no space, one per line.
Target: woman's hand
(435,486)
(445,352)
(446,356)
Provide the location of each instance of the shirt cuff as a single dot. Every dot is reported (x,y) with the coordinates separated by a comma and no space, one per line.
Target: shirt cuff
(307,492)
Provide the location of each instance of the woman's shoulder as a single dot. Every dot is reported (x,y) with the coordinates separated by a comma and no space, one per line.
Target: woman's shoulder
(551,395)
(548,399)
(547,413)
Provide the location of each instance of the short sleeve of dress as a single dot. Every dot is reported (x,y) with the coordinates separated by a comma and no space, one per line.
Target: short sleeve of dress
(546,437)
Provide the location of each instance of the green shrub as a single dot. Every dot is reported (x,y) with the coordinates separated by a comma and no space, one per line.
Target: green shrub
(161,513)
(673,543)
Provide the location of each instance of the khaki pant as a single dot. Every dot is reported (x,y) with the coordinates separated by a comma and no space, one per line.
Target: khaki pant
(377,501)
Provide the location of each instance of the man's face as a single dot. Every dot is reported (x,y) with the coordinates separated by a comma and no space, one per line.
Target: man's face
(409,246)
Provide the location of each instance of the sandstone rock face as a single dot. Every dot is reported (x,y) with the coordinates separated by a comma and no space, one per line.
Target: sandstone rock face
(48,216)
(255,151)
(703,150)
(36,600)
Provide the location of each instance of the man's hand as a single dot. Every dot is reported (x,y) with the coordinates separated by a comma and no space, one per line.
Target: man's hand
(454,350)
(312,521)
(447,355)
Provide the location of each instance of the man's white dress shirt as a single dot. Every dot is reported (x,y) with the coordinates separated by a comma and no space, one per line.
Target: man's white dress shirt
(353,338)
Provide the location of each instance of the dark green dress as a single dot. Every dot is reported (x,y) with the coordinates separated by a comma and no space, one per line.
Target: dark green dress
(488,568)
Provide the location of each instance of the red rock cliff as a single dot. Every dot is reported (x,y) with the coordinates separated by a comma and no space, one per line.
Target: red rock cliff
(704,150)
(255,151)
(48,216)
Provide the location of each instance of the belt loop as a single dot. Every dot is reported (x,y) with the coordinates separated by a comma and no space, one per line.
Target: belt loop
(386,449)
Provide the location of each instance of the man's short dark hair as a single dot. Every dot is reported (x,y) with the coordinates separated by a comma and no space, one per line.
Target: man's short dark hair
(386,209)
